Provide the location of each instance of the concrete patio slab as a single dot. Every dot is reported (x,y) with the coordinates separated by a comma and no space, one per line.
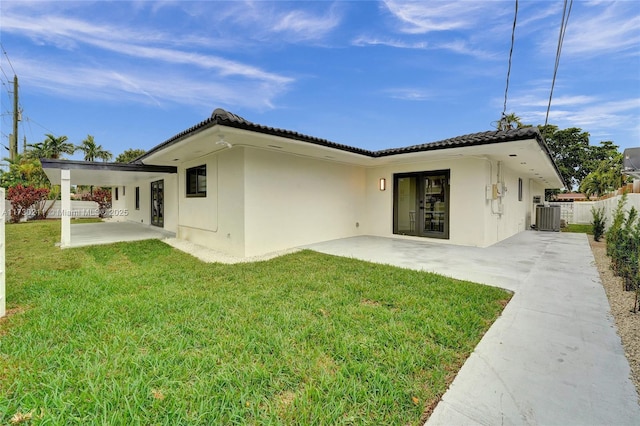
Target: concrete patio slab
(552,358)
(87,234)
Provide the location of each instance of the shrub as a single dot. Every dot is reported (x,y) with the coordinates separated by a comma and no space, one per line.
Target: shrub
(623,246)
(599,222)
(102,196)
(614,234)
(23,198)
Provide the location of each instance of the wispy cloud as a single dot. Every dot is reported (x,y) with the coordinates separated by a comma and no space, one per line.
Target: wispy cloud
(409,94)
(290,23)
(210,77)
(144,87)
(304,26)
(596,114)
(425,17)
(379,41)
(68,33)
(601,28)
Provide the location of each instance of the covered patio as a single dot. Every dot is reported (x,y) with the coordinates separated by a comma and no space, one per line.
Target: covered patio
(89,234)
(67,173)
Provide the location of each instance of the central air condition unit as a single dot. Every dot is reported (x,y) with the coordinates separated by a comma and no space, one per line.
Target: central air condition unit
(548,218)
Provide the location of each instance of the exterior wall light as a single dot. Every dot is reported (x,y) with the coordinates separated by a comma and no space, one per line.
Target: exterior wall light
(383,184)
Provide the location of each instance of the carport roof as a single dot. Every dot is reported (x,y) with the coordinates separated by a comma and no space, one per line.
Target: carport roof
(103,174)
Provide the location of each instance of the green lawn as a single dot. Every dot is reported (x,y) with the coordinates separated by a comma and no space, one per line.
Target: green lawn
(140,333)
(581,229)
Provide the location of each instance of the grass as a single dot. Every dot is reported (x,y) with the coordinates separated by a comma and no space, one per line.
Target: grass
(578,228)
(140,333)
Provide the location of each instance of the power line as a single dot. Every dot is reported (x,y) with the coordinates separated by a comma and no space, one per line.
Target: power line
(502,124)
(8,60)
(563,29)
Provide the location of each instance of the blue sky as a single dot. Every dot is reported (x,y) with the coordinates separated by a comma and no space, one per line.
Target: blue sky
(368,74)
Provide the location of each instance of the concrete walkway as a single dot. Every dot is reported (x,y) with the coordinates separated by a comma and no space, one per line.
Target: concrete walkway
(87,234)
(552,358)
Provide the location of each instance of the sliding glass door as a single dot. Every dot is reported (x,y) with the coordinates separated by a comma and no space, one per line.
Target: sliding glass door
(421,204)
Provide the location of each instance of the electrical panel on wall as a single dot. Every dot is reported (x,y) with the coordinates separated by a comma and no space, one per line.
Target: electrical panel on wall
(490,193)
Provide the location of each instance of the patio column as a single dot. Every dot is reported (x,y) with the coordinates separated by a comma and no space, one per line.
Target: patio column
(65,195)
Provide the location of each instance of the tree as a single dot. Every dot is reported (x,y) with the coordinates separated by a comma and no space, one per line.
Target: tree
(129,155)
(25,170)
(570,151)
(52,147)
(605,178)
(511,121)
(93,151)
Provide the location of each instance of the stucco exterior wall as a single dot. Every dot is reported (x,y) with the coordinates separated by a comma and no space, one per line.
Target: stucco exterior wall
(509,215)
(474,220)
(292,200)
(143,214)
(217,220)
(466,202)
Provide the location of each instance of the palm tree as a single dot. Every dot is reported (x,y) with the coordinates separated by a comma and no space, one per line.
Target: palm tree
(93,151)
(52,147)
(511,121)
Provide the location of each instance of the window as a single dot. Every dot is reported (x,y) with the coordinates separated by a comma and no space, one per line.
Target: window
(519,189)
(197,181)
(123,188)
(116,193)
(137,198)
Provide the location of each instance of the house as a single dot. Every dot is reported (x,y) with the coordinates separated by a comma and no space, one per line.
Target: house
(247,189)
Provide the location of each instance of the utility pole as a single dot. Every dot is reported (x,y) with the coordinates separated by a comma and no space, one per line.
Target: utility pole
(13,142)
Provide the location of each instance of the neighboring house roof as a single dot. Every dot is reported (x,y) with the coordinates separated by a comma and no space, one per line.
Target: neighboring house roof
(571,196)
(631,162)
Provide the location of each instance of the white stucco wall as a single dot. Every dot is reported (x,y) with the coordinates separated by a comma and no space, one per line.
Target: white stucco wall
(215,221)
(260,200)
(473,219)
(126,203)
(292,200)
(517,215)
(466,202)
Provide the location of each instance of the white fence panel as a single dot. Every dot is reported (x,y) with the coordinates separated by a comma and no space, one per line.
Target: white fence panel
(582,210)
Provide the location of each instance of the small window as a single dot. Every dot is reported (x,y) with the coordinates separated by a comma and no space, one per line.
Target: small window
(519,189)
(137,198)
(116,193)
(197,181)
(123,194)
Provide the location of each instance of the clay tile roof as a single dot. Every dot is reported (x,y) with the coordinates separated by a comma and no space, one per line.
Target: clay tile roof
(481,138)
(226,118)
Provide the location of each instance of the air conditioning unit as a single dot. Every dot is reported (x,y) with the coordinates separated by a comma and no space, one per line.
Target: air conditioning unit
(548,218)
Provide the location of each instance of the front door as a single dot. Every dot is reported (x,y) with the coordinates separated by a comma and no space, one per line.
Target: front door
(157,203)
(421,204)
